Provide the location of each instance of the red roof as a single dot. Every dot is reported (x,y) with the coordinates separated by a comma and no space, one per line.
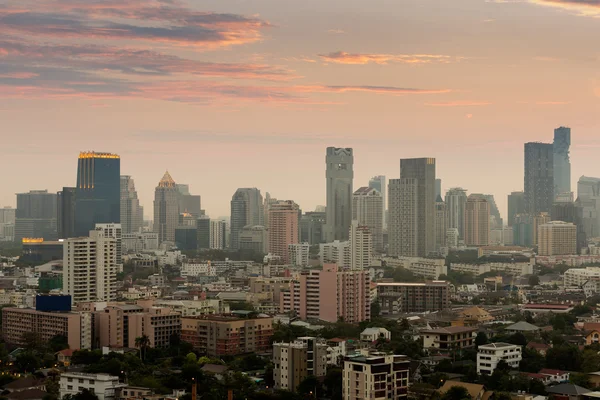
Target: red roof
(67,352)
(537,346)
(591,326)
(548,306)
(337,340)
(535,376)
(547,371)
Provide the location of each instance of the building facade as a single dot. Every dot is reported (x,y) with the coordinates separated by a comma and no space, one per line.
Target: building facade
(132,213)
(441,223)
(539,177)
(489,355)
(456,200)
(35,216)
(398,298)
(311,227)
(379,183)
(246,209)
(218,232)
(166,209)
(294,362)
(562,162)
(557,238)
(339,253)
(403,222)
(65,212)
(339,176)
(516,206)
(283,228)
(477,221)
(376,376)
(367,209)
(361,246)
(299,254)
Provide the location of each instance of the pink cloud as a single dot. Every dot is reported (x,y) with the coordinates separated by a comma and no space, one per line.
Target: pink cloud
(459,103)
(341,57)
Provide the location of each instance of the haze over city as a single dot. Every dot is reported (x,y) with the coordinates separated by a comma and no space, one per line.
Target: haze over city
(249,94)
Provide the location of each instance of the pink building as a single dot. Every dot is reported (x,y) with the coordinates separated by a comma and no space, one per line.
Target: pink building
(283,228)
(329,294)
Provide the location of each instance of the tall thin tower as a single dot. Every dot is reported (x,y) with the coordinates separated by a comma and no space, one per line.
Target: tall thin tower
(132,213)
(166,209)
(562,162)
(339,174)
(539,177)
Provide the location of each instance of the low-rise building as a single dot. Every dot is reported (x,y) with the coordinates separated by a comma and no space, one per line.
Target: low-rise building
(373,334)
(516,269)
(398,298)
(426,267)
(449,338)
(295,361)
(105,386)
(376,376)
(299,254)
(489,355)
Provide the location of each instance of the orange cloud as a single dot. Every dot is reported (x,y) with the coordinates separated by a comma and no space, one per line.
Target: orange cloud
(459,103)
(341,57)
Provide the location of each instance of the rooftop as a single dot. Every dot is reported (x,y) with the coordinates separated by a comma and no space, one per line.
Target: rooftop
(166,181)
(567,389)
(498,345)
(523,326)
(473,388)
(451,330)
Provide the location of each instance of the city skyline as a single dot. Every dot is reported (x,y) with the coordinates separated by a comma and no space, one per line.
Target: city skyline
(358,78)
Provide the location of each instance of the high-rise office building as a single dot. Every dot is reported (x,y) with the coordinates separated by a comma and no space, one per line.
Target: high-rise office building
(218,231)
(188,202)
(562,162)
(495,218)
(422,171)
(456,199)
(166,209)
(361,246)
(477,221)
(516,205)
(254,238)
(588,200)
(90,267)
(7,215)
(539,177)
(311,227)
(203,232)
(379,183)
(438,188)
(35,216)
(367,209)
(98,191)
(402,222)
(283,228)
(132,213)
(441,223)
(339,174)
(557,238)
(246,209)
(65,213)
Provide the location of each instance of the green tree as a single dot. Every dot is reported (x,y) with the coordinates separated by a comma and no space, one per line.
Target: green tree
(580,379)
(456,393)
(333,383)
(85,394)
(191,358)
(375,309)
(517,338)
(481,339)
(58,343)
(310,386)
(142,342)
(533,280)
(501,396)
(27,361)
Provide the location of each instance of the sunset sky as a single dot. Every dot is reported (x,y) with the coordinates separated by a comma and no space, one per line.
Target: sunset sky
(249,93)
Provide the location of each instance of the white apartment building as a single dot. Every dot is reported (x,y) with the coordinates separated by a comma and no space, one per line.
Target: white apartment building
(295,361)
(104,386)
(489,355)
(367,209)
(218,232)
(114,231)
(452,237)
(361,246)
(299,254)
(557,238)
(191,308)
(90,267)
(194,269)
(376,376)
(578,276)
(336,252)
(516,269)
(139,241)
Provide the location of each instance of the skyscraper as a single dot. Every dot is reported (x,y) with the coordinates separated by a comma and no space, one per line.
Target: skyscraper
(438,188)
(495,217)
(516,206)
(539,177)
(203,226)
(35,216)
(562,163)
(588,201)
(188,202)
(132,213)
(379,183)
(166,209)
(367,208)
(339,174)
(422,170)
(217,234)
(65,214)
(283,228)
(477,221)
(311,227)
(361,246)
(441,223)
(98,198)
(246,209)
(403,224)
(456,199)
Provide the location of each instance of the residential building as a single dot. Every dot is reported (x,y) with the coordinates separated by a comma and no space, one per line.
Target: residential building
(159,324)
(539,177)
(104,386)
(254,238)
(7,215)
(516,206)
(430,268)
(371,335)
(562,162)
(17,322)
(456,200)
(138,242)
(477,221)
(218,231)
(337,252)
(495,217)
(246,210)
(367,210)
(339,174)
(515,269)
(476,391)
(98,191)
(449,338)
(132,213)
(329,294)
(166,209)
(441,223)
(557,238)
(489,355)
(298,254)
(221,335)
(35,216)
(376,376)
(539,219)
(361,246)
(283,228)
(114,231)
(452,237)
(65,212)
(379,183)
(311,227)
(90,267)
(398,298)
(294,362)
(576,277)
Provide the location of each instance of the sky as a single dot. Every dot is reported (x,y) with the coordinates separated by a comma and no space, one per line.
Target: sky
(249,93)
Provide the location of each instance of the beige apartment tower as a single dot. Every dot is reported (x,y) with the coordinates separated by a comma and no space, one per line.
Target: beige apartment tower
(377,376)
(477,221)
(294,362)
(283,228)
(557,238)
(361,246)
(367,209)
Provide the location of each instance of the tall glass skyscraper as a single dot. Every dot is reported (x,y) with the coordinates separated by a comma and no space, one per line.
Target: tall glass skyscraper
(562,162)
(98,192)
